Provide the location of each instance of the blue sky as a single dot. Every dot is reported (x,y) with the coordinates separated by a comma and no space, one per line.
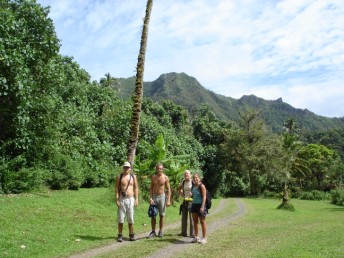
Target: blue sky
(289,48)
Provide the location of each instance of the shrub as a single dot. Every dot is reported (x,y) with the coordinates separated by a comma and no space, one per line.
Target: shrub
(23,180)
(234,186)
(337,197)
(296,192)
(27,179)
(270,194)
(65,173)
(314,195)
(16,177)
(98,175)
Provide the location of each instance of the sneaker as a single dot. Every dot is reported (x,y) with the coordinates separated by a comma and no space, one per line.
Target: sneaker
(203,241)
(160,234)
(132,237)
(119,238)
(152,234)
(195,240)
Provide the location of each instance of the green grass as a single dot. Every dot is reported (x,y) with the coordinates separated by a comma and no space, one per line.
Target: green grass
(315,229)
(48,225)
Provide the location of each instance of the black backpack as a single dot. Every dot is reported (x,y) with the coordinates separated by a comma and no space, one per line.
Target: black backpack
(207,198)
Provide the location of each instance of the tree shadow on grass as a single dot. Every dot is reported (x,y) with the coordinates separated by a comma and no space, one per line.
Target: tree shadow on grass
(94,238)
(170,238)
(336,209)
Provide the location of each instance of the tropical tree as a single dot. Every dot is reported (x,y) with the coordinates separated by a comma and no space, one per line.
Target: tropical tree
(177,114)
(335,177)
(251,157)
(137,97)
(27,46)
(333,139)
(290,137)
(108,81)
(320,160)
(210,132)
(295,166)
(253,131)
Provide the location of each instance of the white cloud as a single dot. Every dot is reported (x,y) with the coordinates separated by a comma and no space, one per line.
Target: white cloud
(288,48)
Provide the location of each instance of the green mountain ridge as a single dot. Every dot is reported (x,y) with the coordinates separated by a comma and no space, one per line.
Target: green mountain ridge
(186,91)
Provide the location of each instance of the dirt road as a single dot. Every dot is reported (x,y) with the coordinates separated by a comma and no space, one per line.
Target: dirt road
(179,245)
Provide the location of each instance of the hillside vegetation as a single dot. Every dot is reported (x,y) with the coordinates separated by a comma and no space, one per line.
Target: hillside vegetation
(186,91)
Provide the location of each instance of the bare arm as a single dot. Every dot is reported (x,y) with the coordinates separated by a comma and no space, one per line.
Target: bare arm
(168,188)
(180,189)
(136,191)
(117,190)
(151,191)
(204,196)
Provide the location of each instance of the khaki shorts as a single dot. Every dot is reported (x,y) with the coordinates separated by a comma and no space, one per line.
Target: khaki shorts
(160,201)
(126,210)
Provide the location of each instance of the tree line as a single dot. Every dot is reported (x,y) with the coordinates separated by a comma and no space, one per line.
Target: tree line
(61,130)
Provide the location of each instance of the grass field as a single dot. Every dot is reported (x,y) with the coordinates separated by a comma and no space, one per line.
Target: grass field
(61,223)
(315,229)
(58,223)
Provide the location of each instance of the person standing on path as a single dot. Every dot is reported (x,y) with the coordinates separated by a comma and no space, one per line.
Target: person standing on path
(160,194)
(126,198)
(198,209)
(185,191)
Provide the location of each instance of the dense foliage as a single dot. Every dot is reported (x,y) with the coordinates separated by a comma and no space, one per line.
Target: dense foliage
(59,129)
(189,93)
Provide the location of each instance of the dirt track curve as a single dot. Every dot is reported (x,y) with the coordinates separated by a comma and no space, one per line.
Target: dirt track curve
(177,246)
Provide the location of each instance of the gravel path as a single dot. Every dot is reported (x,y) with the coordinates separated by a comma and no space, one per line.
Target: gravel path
(177,246)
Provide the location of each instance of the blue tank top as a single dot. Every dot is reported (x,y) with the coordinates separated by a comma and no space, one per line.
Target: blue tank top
(196,195)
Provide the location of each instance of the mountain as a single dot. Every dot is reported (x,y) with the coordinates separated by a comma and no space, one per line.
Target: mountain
(186,91)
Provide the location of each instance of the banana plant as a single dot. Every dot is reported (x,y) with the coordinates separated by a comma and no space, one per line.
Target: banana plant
(175,170)
(157,153)
(142,170)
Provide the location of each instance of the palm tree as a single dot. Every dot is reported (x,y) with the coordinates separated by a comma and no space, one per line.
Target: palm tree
(137,97)
(108,81)
(291,162)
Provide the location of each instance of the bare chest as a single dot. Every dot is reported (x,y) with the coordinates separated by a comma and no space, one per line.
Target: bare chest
(159,180)
(126,180)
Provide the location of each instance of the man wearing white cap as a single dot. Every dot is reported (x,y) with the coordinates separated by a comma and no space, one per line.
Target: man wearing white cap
(126,199)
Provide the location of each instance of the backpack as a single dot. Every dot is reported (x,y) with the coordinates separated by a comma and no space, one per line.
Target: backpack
(207,198)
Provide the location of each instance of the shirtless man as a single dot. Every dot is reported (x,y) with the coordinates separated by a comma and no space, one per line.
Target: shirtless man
(159,182)
(126,189)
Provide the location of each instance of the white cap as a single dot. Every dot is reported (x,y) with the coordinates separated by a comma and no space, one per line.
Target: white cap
(126,164)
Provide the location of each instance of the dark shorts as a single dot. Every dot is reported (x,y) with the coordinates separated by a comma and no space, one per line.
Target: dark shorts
(195,208)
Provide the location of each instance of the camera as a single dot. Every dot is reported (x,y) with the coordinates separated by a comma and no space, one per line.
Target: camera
(124,194)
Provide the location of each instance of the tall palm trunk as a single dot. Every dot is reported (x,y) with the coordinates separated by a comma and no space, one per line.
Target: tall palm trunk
(137,97)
